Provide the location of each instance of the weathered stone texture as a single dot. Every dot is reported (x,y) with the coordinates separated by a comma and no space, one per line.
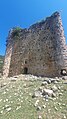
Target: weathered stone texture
(41,49)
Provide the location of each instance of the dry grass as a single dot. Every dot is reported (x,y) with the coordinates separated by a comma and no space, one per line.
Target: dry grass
(16,100)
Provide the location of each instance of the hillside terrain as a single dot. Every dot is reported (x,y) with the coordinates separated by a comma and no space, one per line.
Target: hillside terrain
(1,62)
(31,97)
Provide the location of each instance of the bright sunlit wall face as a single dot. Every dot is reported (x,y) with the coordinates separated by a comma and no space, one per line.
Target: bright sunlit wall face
(39,50)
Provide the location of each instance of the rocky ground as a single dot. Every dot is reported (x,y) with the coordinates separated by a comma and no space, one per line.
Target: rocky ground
(31,97)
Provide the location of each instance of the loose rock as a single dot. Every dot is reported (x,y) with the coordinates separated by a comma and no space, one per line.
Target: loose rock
(54,88)
(40,117)
(47,92)
(38,108)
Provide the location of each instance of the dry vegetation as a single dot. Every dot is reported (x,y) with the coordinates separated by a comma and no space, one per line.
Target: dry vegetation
(1,63)
(17,101)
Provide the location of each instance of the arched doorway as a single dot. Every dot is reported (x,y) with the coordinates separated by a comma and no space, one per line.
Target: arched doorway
(25,70)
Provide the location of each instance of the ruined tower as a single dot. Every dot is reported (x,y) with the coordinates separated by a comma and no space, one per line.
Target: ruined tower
(39,50)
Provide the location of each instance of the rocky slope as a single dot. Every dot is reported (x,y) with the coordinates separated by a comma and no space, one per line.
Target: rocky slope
(31,97)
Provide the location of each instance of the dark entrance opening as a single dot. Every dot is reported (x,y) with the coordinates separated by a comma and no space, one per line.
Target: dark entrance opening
(25,70)
(63,72)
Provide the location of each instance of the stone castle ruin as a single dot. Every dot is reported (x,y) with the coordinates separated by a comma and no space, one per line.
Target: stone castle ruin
(39,50)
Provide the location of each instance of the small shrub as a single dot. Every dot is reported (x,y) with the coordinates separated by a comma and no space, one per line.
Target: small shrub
(15,32)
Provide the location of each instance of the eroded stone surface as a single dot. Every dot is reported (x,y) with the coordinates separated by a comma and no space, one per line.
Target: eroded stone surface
(40,50)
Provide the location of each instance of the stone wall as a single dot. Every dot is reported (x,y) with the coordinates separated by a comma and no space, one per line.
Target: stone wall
(40,50)
(7,60)
(1,64)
